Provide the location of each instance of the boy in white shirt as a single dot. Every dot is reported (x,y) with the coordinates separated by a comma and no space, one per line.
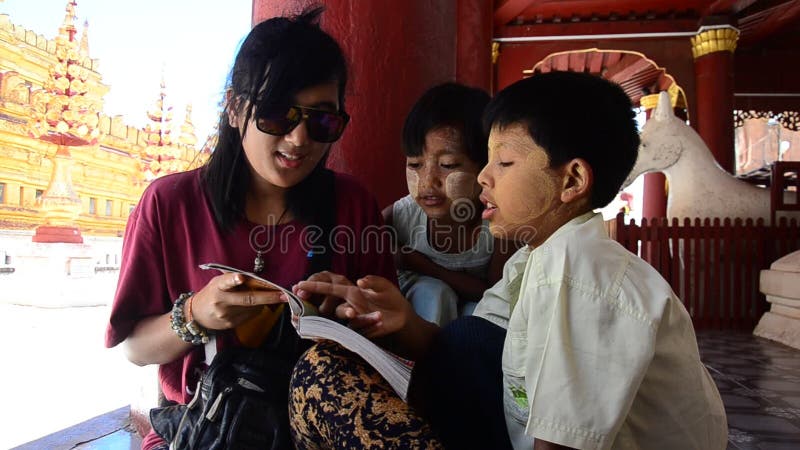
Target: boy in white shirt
(599,353)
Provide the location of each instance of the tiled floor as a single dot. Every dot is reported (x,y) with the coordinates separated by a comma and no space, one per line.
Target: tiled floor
(759,381)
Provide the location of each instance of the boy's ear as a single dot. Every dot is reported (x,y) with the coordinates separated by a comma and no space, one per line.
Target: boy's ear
(578,180)
(231,108)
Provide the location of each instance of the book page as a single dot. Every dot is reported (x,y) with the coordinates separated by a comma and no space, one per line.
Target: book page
(310,325)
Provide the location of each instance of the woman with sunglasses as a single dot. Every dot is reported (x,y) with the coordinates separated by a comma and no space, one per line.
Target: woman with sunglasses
(264,202)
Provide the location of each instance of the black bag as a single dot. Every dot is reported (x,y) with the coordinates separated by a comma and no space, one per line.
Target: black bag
(241,402)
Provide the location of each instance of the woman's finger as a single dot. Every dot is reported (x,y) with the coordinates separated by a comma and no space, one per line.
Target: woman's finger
(228,281)
(256,298)
(351,294)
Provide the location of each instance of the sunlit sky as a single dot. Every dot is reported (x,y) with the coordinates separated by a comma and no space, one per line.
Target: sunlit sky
(192,42)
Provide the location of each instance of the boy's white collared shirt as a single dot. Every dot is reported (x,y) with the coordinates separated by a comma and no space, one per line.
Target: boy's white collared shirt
(599,352)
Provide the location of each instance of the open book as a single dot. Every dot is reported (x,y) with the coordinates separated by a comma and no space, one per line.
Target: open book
(309,325)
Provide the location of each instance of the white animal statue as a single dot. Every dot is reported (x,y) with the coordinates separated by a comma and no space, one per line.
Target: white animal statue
(698,186)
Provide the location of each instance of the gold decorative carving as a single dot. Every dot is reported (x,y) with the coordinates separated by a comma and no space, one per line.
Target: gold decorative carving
(495,51)
(71,112)
(714,39)
(14,89)
(788,119)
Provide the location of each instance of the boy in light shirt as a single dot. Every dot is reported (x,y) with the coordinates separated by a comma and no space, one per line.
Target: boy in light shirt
(598,352)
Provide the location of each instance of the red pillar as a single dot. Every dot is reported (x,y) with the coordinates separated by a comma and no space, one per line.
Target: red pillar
(395,51)
(713,52)
(654,203)
(654,195)
(474,43)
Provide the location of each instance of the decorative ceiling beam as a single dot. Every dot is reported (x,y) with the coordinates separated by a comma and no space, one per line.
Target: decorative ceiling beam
(643,78)
(616,28)
(778,19)
(610,59)
(547,65)
(629,65)
(586,8)
(510,10)
(595,62)
(561,62)
(577,61)
(641,84)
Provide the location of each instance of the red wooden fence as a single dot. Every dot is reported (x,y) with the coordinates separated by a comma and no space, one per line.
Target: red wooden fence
(713,266)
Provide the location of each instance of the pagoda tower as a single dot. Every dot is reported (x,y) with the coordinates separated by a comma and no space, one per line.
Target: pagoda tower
(66,114)
(161,155)
(187,137)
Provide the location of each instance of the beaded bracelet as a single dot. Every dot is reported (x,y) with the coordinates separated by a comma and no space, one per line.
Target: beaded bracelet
(190,331)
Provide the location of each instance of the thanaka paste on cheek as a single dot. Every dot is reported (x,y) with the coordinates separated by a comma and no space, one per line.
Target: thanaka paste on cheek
(460,185)
(412,179)
(532,207)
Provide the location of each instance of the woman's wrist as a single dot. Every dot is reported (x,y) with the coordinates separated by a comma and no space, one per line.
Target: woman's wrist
(183,324)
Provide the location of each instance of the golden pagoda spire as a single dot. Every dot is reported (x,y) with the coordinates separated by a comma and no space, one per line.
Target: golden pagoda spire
(160,115)
(67,29)
(66,114)
(161,155)
(84,46)
(187,136)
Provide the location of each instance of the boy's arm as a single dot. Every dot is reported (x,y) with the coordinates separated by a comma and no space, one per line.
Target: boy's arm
(468,287)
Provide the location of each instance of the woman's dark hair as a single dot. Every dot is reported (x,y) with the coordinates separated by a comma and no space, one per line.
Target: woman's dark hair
(279,58)
(448,105)
(574,115)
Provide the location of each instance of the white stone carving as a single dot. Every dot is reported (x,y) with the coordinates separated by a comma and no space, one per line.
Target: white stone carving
(698,186)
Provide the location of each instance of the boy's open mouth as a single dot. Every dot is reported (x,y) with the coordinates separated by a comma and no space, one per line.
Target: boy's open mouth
(432,200)
(488,210)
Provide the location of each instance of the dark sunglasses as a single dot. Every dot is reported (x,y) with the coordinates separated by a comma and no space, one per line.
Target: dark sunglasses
(322,126)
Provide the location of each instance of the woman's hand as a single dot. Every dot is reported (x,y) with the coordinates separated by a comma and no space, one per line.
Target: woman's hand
(225,303)
(374,306)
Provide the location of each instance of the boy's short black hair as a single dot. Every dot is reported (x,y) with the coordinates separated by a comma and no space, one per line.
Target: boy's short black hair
(574,115)
(448,105)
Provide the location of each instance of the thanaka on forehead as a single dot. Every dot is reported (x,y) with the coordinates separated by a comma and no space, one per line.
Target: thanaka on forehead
(514,138)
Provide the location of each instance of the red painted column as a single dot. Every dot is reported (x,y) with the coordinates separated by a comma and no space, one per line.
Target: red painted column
(395,51)
(713,51)
(474,43)
(654,201)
